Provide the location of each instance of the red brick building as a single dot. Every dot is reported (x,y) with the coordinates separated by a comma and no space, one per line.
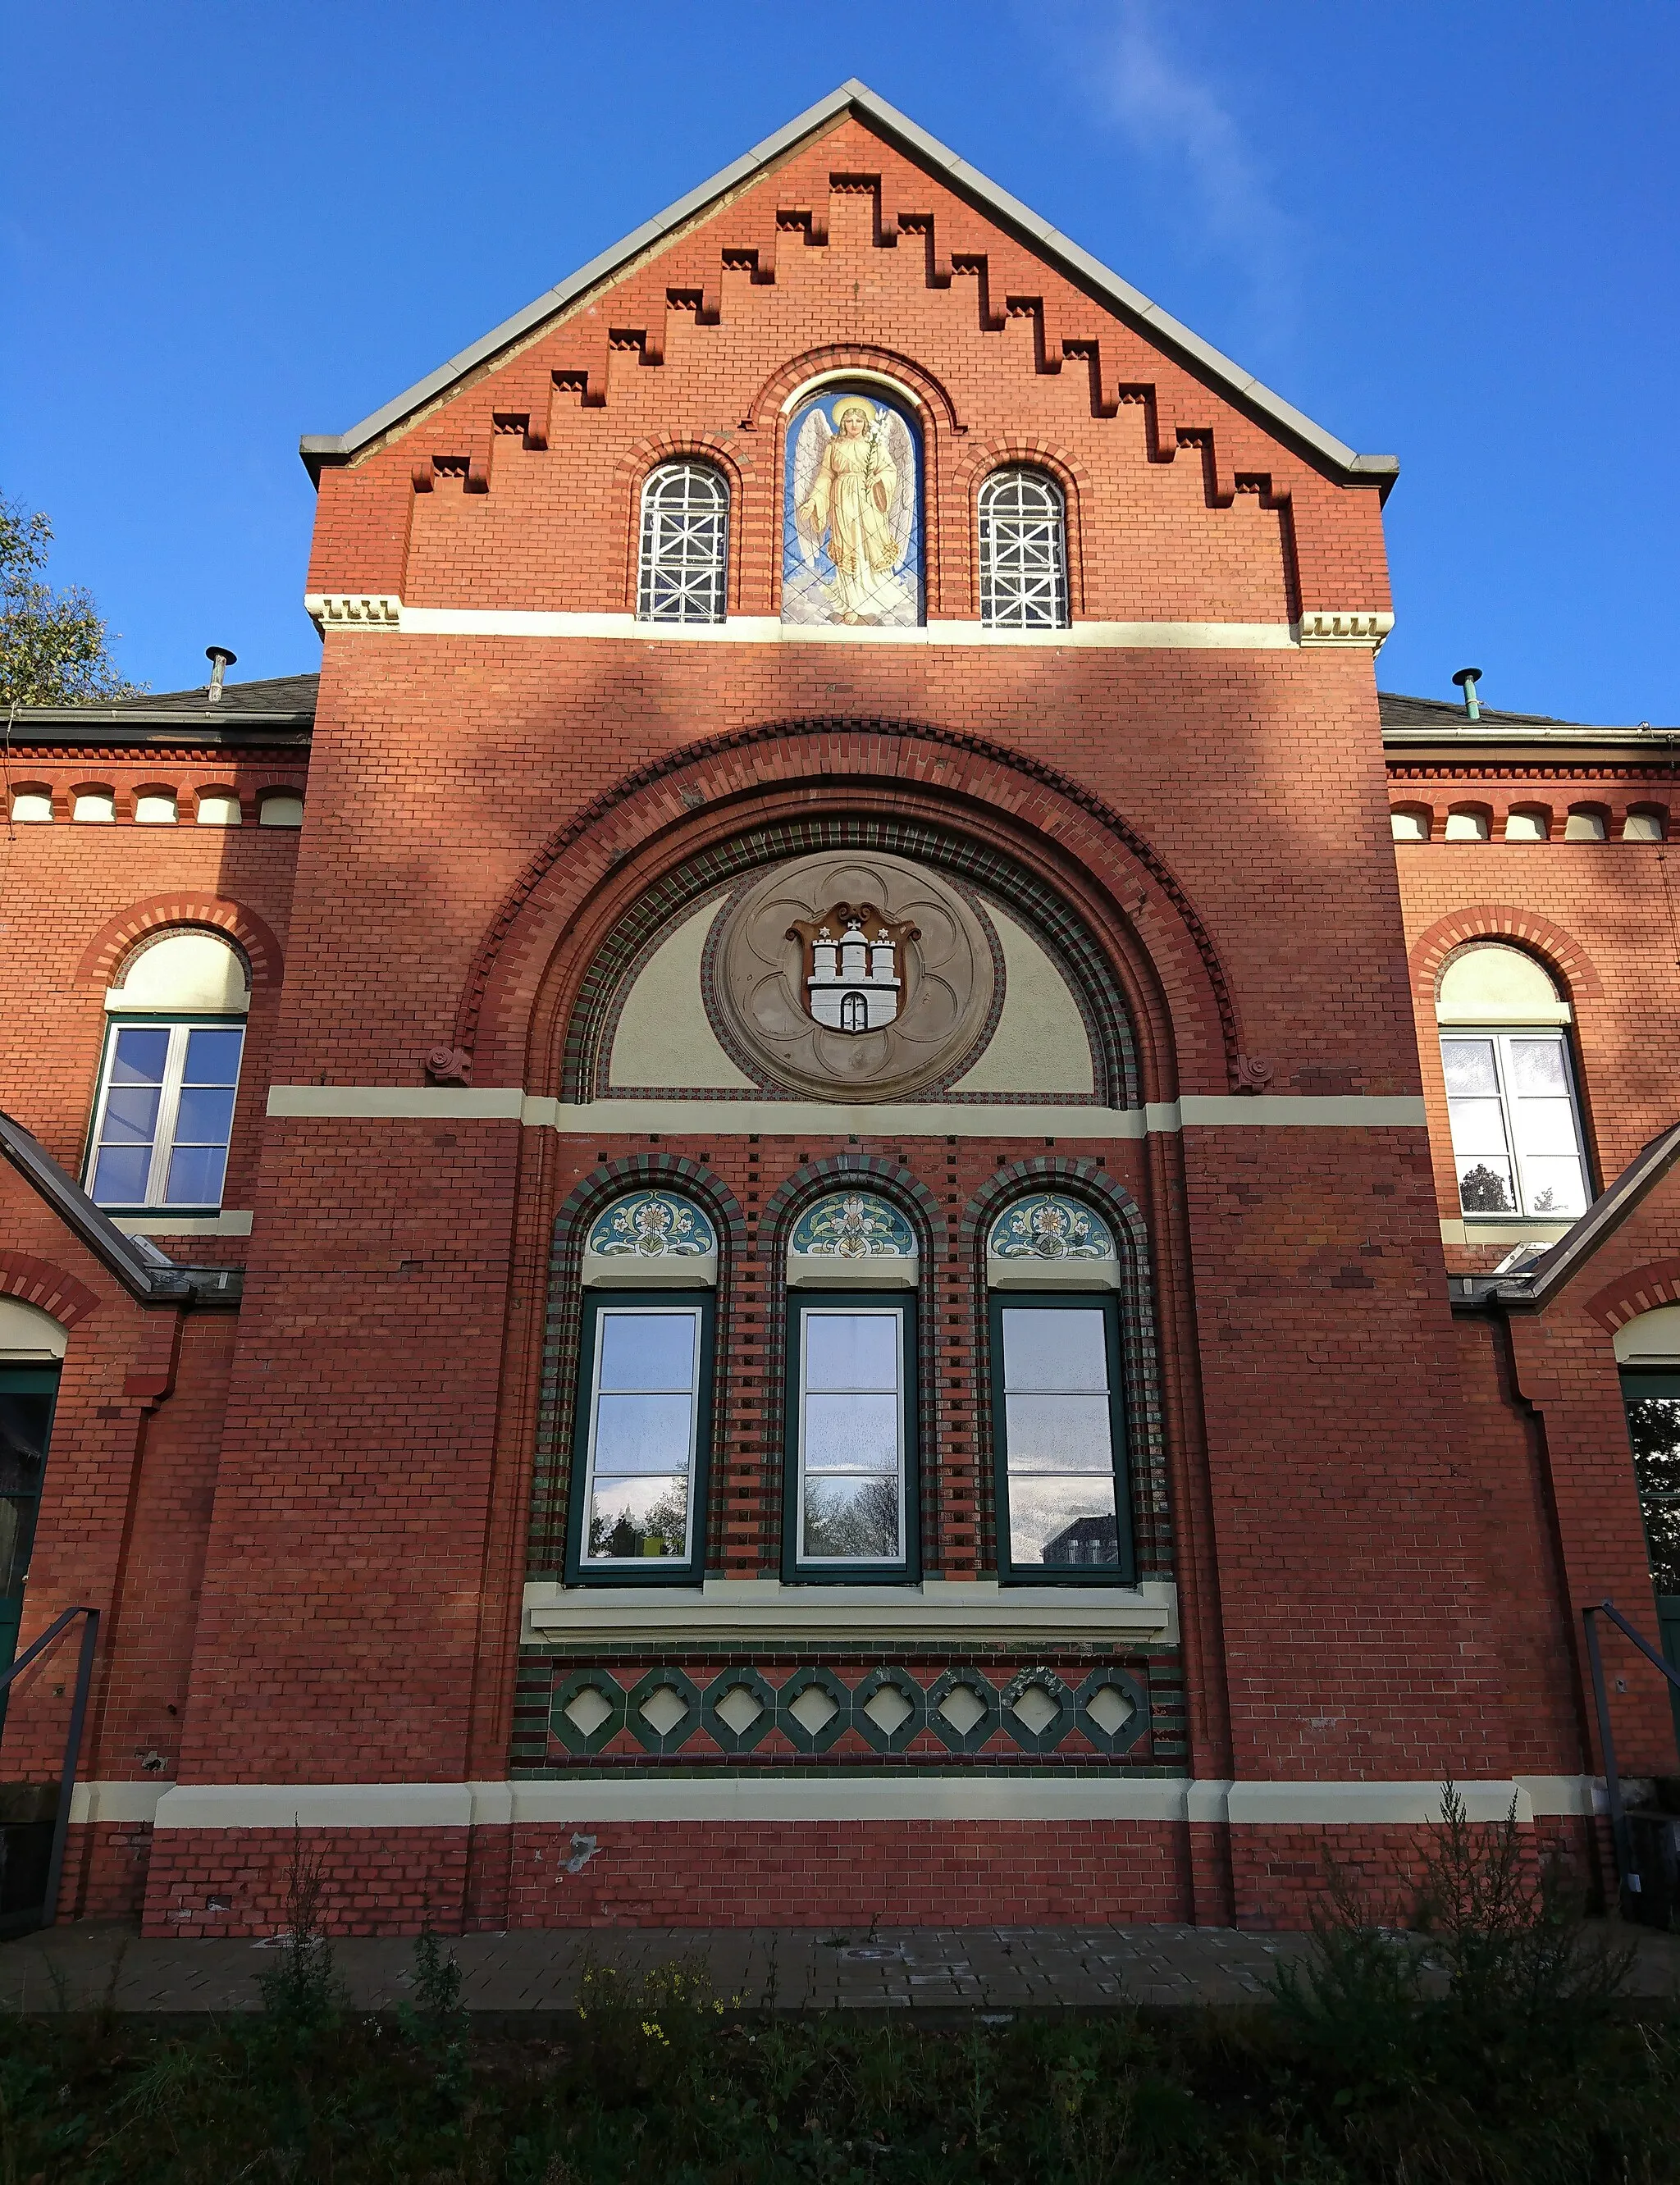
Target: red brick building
(789,1211)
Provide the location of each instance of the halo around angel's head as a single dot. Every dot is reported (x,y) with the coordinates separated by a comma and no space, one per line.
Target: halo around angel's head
(854,404)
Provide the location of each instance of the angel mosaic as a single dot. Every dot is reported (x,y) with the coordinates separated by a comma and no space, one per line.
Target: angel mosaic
(852,550)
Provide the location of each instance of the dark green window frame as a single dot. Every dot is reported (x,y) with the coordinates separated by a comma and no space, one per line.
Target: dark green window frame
(18,1536)
(1124,1571)
(906,1571)
(652,1570)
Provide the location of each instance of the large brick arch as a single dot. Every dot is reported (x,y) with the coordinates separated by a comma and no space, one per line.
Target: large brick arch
(1560,952)
(118,935)
(530,964)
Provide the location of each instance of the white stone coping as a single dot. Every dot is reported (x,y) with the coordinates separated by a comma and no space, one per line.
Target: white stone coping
(844,1795)
(1030,1272)
(891,1271)
(94,1802)
(629,1270)
(763,1613)
(231,1222)
(675,1113)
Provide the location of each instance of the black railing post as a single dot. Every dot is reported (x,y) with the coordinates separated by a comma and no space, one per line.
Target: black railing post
(1620,1834)
(84,1678)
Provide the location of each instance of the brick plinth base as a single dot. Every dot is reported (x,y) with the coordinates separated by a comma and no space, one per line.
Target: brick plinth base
(716,1874)
(105,1869)
(1280,1876)
(236,1882)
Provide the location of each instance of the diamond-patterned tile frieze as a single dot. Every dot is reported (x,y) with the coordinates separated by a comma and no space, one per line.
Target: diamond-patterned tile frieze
(665,1709)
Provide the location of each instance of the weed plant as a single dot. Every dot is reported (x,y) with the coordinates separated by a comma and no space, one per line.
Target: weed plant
(1473,2036)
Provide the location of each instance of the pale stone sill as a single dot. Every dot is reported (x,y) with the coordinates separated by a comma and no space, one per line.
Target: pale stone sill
(762,1613)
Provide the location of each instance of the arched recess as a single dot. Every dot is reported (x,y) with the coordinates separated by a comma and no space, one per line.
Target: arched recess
(619,857)
(1562,955)
(1088,977)
(770,412)
(115,939)
(637,465)
(1008,451)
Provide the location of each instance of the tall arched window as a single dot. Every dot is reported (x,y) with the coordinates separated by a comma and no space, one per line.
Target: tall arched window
(685,545)
(1510,1095)
(164,1112)
(1023,552)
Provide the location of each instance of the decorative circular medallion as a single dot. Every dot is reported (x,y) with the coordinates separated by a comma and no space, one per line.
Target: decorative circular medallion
(854,978)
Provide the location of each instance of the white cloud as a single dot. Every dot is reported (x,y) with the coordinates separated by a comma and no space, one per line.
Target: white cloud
(1177,119)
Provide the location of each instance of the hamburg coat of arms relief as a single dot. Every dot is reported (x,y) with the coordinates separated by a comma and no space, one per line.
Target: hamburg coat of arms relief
(854,978)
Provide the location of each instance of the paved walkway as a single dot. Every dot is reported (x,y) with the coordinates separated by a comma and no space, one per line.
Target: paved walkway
(980,1968)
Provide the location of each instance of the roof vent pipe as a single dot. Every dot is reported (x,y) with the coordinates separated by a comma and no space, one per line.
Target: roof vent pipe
(1467,678)
(220,660)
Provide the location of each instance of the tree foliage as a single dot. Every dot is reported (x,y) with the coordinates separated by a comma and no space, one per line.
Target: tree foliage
(54,650)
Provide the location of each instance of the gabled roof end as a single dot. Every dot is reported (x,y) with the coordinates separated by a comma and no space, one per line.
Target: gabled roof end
(321,449)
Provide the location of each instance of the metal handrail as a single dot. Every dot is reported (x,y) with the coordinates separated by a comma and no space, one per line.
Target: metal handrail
(1621,1835)
(84,1678)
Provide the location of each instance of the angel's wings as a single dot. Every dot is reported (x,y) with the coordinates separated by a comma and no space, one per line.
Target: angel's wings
(901,448)
(812,437)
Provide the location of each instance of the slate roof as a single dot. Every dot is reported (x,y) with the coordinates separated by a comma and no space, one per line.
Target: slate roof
(1087,272)
(276,709)
(1399,711)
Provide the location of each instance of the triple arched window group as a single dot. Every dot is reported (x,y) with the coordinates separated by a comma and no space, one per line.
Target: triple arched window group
(683,563)
(850,1496)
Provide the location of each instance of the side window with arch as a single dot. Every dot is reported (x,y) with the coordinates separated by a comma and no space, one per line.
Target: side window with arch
(1517,1145)
(1058,1411)
(164,1113)
(1024,551)
(850,1498)
(32,1352)
(642,1445)
(684,570)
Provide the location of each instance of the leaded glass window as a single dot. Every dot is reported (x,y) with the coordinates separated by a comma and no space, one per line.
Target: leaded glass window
(1023,552)
(685,545)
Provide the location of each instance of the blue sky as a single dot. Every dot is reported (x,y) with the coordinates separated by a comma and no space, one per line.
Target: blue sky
(1444,231)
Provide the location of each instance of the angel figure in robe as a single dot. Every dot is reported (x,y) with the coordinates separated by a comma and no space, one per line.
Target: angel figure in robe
(854,500)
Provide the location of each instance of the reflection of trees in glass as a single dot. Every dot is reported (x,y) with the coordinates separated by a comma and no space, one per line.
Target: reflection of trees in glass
(660,1532)
(860,1518)
(1481,1190)
(1653,1427)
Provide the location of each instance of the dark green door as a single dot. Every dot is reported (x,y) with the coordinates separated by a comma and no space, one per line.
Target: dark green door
(27,1394)
(1653,1401)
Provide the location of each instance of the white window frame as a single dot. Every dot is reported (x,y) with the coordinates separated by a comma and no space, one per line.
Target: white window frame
(666,532)
(180,1030)
(852,1304)
(1500,1036)
(1013,599)
(608,1306)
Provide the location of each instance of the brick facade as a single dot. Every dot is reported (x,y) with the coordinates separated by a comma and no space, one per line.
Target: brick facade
(312,1524)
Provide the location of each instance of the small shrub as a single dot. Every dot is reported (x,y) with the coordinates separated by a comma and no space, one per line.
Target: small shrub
(301,1994)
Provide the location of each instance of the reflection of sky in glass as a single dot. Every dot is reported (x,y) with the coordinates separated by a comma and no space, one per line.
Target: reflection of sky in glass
(1060,1348)
(851,1351)
(642,1432)
(851,1434)
(647,1349)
